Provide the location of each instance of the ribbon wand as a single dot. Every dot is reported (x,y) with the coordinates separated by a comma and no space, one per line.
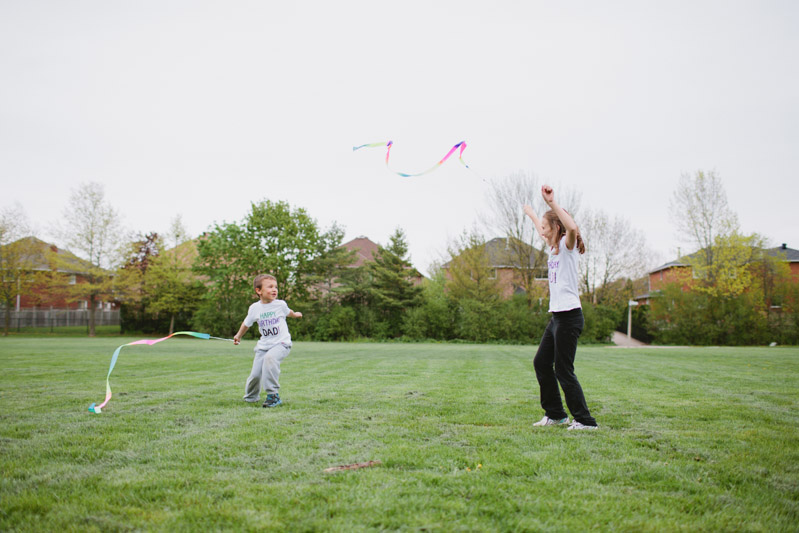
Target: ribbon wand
(389,144)
(97,409)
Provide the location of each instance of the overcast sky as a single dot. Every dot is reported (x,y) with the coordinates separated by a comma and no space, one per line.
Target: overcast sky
(199,108)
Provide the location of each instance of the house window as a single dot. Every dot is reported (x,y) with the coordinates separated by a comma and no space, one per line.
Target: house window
(84,304)
(73,279)
(492,274)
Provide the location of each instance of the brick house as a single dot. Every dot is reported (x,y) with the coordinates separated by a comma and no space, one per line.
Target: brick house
(46,257)
(680,270)
(365,251)
(505,267)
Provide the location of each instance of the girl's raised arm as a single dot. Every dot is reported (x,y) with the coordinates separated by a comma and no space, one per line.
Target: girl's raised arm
(565,218)
(536,221)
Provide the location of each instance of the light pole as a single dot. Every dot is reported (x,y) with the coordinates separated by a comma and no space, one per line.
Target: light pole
(630,305)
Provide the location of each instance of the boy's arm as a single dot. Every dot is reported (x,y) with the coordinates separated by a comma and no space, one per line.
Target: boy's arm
(242,330)
(294,314)
(536,222)
(566,219)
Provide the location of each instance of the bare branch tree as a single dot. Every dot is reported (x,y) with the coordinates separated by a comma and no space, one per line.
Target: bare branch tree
(92,229)
(526,251)
(699,210)
(614,249)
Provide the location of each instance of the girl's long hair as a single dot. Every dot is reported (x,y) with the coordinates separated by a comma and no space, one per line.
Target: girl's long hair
(554,221)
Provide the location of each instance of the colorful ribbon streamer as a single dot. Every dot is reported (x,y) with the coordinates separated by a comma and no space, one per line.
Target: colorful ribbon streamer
(94,408)
(389,144)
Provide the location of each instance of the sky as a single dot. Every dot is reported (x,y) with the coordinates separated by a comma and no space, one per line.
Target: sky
(199,108)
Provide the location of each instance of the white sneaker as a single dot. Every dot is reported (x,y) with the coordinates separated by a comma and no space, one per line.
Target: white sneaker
(546,421)
(577,425)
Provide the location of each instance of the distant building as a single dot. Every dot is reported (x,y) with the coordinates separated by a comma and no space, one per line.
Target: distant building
(46,257)
(364,249)
(680,270)
(505,265)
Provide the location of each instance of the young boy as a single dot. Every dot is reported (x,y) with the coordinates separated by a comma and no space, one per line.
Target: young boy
(275,342)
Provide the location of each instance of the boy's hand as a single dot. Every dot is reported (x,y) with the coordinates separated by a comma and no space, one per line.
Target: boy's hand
(236,339)
(297,314)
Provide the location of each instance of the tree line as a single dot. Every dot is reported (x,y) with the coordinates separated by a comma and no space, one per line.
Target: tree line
(735,291)
(170,281)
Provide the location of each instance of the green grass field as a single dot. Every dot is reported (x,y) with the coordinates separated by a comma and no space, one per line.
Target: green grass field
(691,439)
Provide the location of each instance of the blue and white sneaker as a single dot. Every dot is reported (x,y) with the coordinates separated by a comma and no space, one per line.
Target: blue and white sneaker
(272,400)
(546,421)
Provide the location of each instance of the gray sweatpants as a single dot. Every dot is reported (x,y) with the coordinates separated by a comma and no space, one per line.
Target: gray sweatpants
(265,372)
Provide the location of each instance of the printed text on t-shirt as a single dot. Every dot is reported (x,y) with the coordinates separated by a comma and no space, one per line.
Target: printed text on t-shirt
(553,271)
(269,326)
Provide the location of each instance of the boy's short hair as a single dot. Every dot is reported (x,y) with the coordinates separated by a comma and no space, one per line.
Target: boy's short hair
(260,279)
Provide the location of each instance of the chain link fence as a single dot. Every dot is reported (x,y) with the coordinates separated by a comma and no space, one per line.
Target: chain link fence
(55,318)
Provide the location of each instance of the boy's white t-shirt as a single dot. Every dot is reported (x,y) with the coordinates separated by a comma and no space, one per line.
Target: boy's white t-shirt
(271,319)
(563,279)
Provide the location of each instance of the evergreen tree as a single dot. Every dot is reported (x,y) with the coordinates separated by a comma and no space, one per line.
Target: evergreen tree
(392,288)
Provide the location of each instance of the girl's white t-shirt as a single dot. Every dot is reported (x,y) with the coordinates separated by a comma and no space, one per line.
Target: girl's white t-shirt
(271,319)
(563,278)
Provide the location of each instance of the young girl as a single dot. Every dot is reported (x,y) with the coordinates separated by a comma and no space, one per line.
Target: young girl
(554,361)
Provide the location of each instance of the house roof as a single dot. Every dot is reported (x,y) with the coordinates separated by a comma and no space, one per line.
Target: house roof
(500,255)
(364,249)
(791,255)
(66,262)
(186,253)
(670,264)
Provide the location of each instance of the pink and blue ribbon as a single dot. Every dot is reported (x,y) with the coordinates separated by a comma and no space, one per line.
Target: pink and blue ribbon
(389,144)
(94,408)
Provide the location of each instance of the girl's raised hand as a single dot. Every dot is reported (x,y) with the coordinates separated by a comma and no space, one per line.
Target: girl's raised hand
(548,194)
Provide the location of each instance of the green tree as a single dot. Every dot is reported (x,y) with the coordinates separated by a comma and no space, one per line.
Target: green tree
(15,259)
(129,282)
(171,285)
(355,293)
(91,228)
(730,272)
(702,318)
(435,318)
(727,303)
(329,266)
(273,238)
(470,273)
(228,279)
(393,290)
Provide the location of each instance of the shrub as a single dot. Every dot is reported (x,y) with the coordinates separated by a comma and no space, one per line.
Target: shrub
(338,324)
